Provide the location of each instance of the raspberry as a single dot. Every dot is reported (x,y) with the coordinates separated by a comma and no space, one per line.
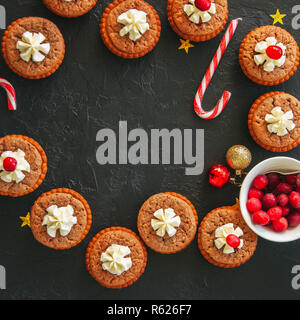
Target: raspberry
(284,188)
(233,241)
(280,225)
(275,213)
(261,218)
(255,193)
(295,199)
(254,205)
(291,179)
(285,211)
(260,182)
(269,201)
(294,219)
(274,180)
(283,200)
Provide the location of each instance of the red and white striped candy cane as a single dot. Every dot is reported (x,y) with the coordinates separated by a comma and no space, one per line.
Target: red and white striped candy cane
(209,74)
(11,94)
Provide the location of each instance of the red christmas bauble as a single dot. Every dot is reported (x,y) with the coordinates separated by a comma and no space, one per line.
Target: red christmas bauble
(274,52)
(9,164)
(219,176)
(203,5)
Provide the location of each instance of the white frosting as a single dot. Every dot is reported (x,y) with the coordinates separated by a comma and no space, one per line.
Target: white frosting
(61,219)
(22,165)
(166,221)
(222,233)
(279,122)
(114,261)
(31,47)
(135,22)
(262,58)
(195,15)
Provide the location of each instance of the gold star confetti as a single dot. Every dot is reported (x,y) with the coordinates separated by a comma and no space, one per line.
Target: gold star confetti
(25,220)
(277,17)
(186,45)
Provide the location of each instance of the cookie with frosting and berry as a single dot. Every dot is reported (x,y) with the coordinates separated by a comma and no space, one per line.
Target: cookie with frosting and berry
(274,121)
(116,258)
(60,219)
(130,28)
(23,165)
(197,20)
(33,47)
(224,238)
(167,222)
(70,8)
(269,55)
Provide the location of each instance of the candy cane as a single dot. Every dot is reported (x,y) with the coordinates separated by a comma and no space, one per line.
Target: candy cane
(209,74)
(11,94)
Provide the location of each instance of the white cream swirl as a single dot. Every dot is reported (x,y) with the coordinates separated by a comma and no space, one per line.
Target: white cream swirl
(262,58)
(61,219)
(279,122)
(166,221)
(221,235)
(31,47)
(114,259)
(22,165)
(135,22)
(195,15)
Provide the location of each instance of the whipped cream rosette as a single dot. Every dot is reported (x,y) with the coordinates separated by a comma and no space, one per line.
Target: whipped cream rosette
(279,122)
(166,221)
(195,15)
(224,236)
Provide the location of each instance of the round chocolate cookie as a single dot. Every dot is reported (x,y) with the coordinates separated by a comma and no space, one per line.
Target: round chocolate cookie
(167,222)
(60,219)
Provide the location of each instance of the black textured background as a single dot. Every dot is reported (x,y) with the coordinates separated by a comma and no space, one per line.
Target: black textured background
(94,89)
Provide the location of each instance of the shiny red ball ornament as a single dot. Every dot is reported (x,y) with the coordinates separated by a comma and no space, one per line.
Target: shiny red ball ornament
(203,5)
(274,52)
(9,164)
(219,176)
(233,241)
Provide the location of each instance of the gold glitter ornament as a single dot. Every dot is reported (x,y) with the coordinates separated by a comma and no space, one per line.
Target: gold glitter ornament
(238,158)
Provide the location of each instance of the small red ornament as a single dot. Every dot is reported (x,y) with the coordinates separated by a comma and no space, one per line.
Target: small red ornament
(233,241)
(203,5)
(219,176)
(10,164)
(274,52)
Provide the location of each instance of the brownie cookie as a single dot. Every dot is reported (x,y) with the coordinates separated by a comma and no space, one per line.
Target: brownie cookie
(120,34)
(274,121)
(70,8)
(199,20)
(116,258)
(224,238)
(60,219)
(167,222)
(33,47)
(269,55)
(23,165)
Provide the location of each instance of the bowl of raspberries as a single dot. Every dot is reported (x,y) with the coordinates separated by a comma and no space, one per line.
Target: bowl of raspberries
(270,199)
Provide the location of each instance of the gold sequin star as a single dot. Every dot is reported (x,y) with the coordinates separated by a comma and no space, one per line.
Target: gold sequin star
(277,17)
(186,45)
(25,221)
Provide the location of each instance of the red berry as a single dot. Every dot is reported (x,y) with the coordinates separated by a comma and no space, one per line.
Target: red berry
(269,201)
(274,180)
(233,241)
(275,213)
(283,200)
(203,5)
(260,182)
(274,52)
(291,179)
(261,218)
(280,225)
(295,199)
(294,219)
(298,180)
(254,205)
(285,211)
(219,176)
(284,188)
(254,193)
(10,164)
(298,188)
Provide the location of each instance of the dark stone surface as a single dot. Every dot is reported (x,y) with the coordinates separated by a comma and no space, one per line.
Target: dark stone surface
(95,89)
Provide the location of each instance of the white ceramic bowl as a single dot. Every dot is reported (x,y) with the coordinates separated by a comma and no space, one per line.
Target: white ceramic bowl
(269,165)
